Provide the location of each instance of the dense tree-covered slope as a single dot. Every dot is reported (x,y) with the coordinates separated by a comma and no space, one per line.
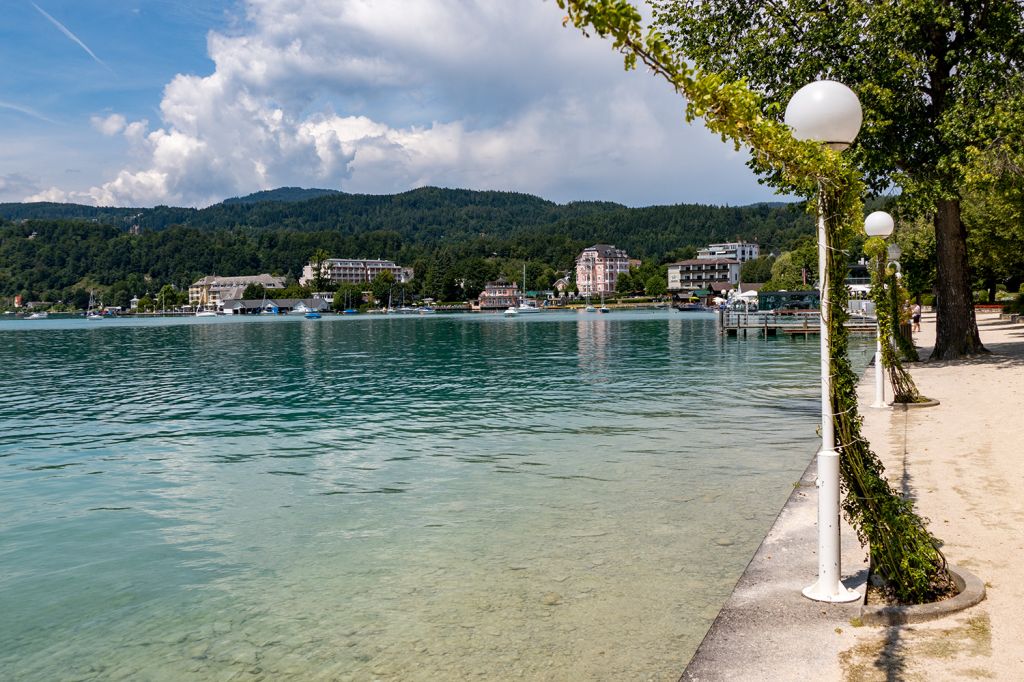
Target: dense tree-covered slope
(46,248)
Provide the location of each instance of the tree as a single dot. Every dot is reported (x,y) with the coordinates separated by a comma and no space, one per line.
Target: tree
(794,270)
(994,197)
(321,276)
(348,295)
(926,73)
(656,285)
(382,285)
(167,297)
(254,290)
(757,270)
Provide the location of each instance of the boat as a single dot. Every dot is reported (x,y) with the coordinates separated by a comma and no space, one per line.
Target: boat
(38,316)
(523,306)
(300,309)
(426,310)
(603,308)
(205,313)
(349,311)
(312,315)
(91,313)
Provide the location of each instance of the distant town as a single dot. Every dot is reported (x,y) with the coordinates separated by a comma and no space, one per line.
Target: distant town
(352,285)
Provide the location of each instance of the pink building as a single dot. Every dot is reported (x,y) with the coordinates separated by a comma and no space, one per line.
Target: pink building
(598,268)
(500,294)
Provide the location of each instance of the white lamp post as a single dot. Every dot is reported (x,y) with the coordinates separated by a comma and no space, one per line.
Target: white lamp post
(879,224)
(830,113)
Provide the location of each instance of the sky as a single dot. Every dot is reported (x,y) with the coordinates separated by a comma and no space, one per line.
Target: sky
(148,102)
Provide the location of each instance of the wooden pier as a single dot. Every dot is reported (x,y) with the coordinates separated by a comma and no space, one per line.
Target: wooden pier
(789,323)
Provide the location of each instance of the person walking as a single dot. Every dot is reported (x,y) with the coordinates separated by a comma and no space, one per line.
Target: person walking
(915,316)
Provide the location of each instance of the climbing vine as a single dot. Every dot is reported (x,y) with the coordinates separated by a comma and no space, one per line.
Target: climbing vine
(888,295)
(902,549)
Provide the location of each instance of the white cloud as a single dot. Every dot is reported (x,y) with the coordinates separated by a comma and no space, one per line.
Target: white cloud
(54,194)
(110,125)
(385,95)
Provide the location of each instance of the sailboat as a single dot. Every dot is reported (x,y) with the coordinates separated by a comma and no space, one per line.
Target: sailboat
(91,313)
(603,308)
(523,307)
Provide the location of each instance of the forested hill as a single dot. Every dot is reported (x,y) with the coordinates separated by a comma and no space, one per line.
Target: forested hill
(249,235)
(431,215)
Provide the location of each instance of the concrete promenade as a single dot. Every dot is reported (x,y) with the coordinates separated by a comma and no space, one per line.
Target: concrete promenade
(961,461)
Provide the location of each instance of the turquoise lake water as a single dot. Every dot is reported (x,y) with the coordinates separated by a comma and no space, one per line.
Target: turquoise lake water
(567,496)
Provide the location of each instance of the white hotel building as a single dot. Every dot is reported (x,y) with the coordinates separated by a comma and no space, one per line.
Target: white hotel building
(351,271)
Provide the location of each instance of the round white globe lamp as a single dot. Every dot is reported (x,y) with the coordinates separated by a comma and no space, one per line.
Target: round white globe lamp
(879,224)
(826,112)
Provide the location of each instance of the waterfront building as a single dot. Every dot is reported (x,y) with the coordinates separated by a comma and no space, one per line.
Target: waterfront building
(355,271)
(700,273)
(738,251)
(499,295)
(598,268)
(212,291)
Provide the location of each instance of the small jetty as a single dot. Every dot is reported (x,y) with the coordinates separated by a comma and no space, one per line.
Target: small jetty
(784,323)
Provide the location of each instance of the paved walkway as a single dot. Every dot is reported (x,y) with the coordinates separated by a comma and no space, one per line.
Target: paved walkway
(961,460)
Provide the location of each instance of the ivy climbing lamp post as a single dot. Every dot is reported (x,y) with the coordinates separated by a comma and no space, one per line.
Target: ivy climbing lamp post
(879,224)
(827,112)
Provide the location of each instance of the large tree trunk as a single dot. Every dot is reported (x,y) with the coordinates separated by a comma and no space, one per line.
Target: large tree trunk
(956,331)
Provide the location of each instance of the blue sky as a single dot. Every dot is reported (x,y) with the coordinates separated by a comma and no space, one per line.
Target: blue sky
(185,103)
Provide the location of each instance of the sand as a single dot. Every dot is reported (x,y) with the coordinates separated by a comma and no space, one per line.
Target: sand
(961,461)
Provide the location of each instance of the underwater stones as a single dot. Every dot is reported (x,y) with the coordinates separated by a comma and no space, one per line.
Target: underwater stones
(551,599)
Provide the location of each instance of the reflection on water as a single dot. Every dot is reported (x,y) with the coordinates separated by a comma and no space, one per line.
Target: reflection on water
(557,497)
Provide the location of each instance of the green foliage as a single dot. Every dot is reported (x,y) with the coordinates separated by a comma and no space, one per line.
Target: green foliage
(348,296)
(656,285)
(758,269)
(321,276)
(795,270)
(383,286)
(483,232)
(928,75)
(902,550)
(254,291)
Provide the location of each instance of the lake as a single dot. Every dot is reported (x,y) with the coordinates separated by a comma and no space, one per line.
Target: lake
(563,496)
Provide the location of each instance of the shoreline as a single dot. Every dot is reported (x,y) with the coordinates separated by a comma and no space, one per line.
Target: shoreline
(959,461)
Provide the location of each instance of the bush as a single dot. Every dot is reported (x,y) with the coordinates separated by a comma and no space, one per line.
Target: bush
(1015,306)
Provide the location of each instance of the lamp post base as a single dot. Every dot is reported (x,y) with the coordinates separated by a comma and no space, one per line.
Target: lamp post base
(879,406)
(837,594)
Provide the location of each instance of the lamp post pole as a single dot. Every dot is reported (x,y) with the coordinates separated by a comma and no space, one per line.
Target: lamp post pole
(879,224)
(827,112)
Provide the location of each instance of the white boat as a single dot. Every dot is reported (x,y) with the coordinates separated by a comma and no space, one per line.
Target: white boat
(523,306)
(38,316)
(91,313)
(589,309)
(206,313)
(603,308)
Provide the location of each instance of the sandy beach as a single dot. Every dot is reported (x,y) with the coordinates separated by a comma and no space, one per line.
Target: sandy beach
(961,461)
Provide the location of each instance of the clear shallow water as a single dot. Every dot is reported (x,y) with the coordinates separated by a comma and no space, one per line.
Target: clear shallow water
(567,496)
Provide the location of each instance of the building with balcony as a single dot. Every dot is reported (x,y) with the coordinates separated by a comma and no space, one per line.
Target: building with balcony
(700,273)
(499,295)
(598,268)
(211,291)
(738,251)
(353,271)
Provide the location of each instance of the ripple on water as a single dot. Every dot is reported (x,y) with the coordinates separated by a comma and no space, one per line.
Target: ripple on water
(430,498)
